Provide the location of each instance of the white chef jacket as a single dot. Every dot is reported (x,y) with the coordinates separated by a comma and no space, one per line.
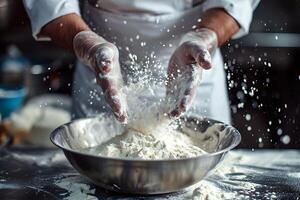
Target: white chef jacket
(42,12)
(211,100)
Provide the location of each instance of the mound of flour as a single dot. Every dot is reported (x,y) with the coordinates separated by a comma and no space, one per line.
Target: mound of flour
(165,143)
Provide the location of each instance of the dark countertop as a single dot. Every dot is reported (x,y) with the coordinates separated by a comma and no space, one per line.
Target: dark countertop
(38,173)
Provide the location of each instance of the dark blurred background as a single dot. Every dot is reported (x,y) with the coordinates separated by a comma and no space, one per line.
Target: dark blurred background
(262,69)
(264,77)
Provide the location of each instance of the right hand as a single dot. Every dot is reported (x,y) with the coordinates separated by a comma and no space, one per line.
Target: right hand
(185,69)
(184,75)
(103,58)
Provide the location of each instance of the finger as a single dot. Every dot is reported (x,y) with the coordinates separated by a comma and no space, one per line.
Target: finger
(187,100)
(173,65)
(201,56)
(104,59)
(184,101)
(113,99)
(104,66)
(204,59)
(108,81)
(180,108)
(104,82)
(122,118)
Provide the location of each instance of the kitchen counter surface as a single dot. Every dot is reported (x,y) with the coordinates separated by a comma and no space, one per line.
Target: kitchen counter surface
(39,173)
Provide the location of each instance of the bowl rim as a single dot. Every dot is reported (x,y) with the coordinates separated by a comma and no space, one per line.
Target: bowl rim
(235,143)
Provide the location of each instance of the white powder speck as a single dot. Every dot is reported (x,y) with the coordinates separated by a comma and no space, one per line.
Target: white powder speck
(248,117)
(241,105)
(279,131)
(285,139)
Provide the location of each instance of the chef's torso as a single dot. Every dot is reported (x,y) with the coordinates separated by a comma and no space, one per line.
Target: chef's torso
(146,33)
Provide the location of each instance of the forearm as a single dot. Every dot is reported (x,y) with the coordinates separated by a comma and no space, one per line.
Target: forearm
(62,30)
(219,21)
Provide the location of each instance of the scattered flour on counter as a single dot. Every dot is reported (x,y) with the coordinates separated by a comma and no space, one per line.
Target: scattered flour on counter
(206,191)
(228,181)
(225,183)
(76,189)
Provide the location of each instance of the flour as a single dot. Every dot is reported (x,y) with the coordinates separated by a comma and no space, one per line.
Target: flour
(220,185)
(145,106)
(150,133)
(77,190)
(206,191)
(163,144)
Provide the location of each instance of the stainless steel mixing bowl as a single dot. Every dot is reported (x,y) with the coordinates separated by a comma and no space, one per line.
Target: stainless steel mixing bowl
(143,176)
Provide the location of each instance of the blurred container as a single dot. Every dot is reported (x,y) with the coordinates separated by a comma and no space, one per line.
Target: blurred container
(40,116)
(11,98)
(13,67)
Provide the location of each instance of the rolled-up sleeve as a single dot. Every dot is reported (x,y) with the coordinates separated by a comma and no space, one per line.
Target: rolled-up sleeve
(240,10)
(42,12)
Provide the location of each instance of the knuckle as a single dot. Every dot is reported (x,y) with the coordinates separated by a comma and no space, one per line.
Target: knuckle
(107,51)
(192,44)
(114,48)
(103,53)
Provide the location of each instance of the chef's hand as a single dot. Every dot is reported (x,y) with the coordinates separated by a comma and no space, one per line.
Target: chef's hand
(185,69)
(103,58)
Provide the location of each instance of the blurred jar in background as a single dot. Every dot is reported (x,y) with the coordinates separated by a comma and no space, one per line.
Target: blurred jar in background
(13,67)
(12,79)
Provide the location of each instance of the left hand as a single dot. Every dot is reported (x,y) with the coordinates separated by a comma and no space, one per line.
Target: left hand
(185,69)
(103,58)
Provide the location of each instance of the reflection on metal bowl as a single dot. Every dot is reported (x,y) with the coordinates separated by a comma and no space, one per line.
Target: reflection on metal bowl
(142,176)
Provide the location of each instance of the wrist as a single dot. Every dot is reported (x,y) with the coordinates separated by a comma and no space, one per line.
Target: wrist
(219,21)
(63,29)
(204,37)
